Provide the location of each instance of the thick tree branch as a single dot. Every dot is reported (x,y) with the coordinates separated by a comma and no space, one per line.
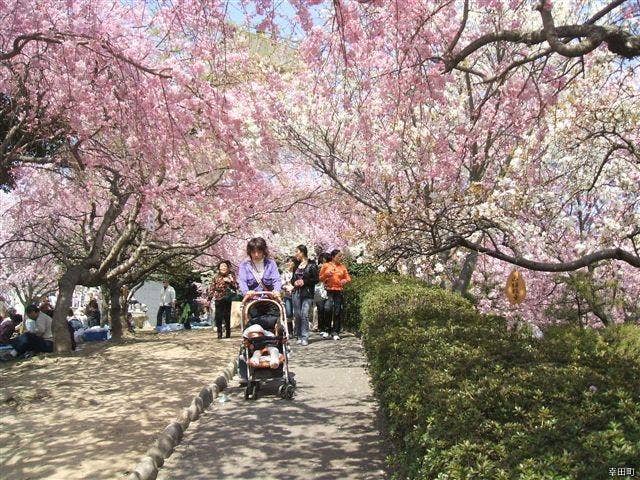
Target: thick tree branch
(583,47)
(618,41)
(584,261)
(22,40)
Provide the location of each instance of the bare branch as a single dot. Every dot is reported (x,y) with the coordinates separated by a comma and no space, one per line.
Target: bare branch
(618,41)
(569,266)
(606,10)
(22,40)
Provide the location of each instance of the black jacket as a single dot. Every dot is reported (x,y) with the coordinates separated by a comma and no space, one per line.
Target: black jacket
(310,278)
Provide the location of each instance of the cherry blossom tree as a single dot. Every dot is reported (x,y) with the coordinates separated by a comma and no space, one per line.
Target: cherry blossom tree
(28,278)
(526,158)
(155,153)
(468,136)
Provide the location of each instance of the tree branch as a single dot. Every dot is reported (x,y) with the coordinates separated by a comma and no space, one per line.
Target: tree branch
(618,41)
(22,40)
(584,261)
(606,10)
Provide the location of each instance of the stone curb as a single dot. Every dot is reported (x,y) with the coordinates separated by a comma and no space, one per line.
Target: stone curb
(171,436)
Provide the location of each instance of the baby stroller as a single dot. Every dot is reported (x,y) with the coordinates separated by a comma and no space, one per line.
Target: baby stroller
(267,310)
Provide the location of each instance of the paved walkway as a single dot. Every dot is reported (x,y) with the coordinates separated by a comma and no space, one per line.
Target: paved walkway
(329,431)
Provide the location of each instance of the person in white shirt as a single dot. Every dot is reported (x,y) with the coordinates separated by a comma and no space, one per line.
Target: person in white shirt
(38,337)
(167,302)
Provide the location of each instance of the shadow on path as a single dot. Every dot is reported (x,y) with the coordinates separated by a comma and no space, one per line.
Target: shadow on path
(329,431)
(91,415)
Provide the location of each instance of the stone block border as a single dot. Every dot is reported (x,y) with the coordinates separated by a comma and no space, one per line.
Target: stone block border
(171,436)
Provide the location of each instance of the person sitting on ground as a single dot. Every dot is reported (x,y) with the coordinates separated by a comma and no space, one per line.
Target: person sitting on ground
(72,325)
(8,326)
(73,320)
(268,353)
(92,311)
(130,326)
(38,337)
(46,307)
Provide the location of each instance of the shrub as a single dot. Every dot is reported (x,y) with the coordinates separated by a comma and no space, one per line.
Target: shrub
(466,398)
(355,290)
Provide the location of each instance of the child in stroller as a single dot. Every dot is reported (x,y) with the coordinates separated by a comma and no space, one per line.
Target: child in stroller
(261,342)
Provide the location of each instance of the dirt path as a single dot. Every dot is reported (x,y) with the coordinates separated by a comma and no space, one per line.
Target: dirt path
(329,431)
(92,415)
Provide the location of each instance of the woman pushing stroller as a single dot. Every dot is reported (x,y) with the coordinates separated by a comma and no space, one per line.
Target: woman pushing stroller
(259,273)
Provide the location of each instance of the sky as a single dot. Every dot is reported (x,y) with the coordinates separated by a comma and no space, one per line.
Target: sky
(285,19)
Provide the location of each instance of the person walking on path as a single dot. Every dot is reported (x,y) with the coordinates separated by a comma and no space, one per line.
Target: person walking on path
(320,297)
(167,302)
(304,281)
(287,289)
(259,273)
(335,276)
(223,287)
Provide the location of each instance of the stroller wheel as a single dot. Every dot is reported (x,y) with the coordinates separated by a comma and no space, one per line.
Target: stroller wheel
(289,392)
(292,381)
(282,390)
(253,390)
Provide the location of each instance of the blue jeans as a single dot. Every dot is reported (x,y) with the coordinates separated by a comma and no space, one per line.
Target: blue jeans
(301,311)
(288,306)
(30,342)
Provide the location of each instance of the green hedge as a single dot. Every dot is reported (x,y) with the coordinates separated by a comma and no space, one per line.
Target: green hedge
(356,289)
(464,398)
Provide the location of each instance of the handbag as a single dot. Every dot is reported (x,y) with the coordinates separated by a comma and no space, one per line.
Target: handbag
(320,292)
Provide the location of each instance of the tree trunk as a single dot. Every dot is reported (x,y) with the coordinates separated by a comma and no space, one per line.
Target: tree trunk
(61,336)
(464,280)
(115,312)
(105,305)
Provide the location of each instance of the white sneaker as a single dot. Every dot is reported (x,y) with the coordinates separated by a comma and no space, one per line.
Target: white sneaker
(324,334)
(299,342)
(336,337)
(304,343)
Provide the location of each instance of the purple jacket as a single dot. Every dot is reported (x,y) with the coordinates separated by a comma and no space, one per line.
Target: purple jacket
(270,279)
